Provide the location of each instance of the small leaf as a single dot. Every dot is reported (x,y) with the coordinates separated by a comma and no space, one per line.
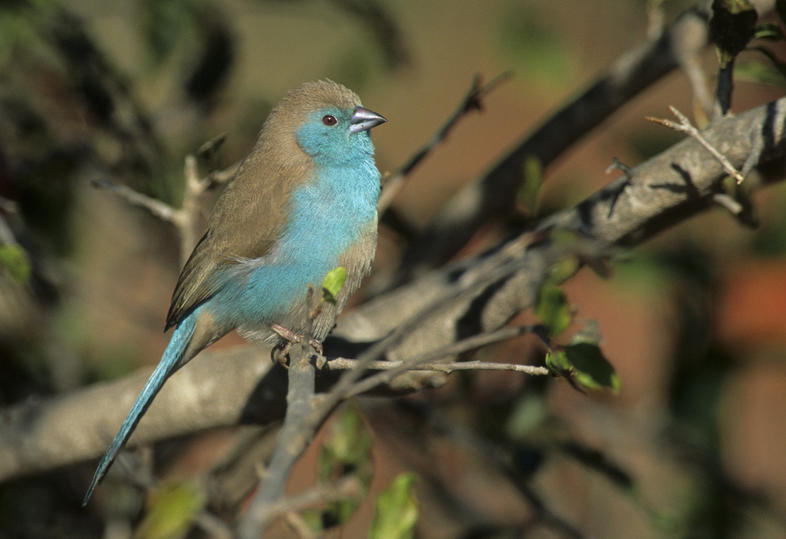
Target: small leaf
(553,309)
(173,509)
(333,283)
(14,262)
(566,267)
(769,31)
(396,510)
(557,362)
(590,368)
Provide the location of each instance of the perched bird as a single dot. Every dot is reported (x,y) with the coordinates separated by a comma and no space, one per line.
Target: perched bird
(303,203)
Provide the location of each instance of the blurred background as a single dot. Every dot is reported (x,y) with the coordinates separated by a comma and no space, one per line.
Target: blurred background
(694,321)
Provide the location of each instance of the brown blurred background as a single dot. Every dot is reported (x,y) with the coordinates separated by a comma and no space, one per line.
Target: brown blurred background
(694,321)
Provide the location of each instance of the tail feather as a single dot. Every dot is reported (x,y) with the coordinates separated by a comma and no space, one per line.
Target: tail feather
(170,361)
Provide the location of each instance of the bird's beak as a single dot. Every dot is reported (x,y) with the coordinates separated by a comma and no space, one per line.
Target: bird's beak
(364,119)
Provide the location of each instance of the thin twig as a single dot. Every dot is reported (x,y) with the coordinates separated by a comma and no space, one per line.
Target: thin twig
(505,262)
(686,127)
(186,218)
(213,526)
(341,363)
(299,526)
(689,39)
(347,487)
(472,101)
(163,211)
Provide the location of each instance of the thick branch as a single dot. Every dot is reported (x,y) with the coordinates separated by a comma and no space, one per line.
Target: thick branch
(493,194)
(299,426)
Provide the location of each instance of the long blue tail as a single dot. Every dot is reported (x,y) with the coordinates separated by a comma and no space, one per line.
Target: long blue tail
(169,362)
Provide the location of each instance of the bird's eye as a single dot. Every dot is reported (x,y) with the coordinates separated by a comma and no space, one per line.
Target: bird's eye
(329,119)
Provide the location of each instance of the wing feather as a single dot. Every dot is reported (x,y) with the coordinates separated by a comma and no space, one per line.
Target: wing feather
(246,222)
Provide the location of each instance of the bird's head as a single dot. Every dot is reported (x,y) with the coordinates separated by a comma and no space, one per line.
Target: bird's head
(328,121)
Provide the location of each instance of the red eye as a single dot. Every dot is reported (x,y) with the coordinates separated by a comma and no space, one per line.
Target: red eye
(329,119)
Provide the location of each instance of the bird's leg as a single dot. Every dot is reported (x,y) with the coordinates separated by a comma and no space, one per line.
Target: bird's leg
(280,352)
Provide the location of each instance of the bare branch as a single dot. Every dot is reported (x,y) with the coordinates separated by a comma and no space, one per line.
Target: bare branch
(341,363)
(686,127)
(299,427)
(163,211)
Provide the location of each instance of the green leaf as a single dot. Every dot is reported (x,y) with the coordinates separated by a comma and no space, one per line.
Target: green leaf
(590,368)
(552,308)
(173,509)
(769,31)
(557,362)
(396,510)
(15,263)
(333,283)
(568,265)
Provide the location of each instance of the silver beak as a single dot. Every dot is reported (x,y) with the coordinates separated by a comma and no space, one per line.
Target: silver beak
(364,119)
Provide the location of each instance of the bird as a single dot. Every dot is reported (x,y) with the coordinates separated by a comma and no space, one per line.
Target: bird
(303,203)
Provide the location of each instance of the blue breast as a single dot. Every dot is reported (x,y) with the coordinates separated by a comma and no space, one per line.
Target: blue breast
(327,215)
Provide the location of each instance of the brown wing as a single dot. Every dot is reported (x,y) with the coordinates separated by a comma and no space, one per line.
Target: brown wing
(247,220)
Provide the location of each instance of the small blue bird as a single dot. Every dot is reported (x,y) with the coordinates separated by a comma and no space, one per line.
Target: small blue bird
(303,203)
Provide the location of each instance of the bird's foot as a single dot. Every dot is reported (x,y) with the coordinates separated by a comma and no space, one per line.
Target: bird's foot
(280,352)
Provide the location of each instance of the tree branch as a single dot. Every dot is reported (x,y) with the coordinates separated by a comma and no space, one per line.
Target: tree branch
(300,424)
(492,195)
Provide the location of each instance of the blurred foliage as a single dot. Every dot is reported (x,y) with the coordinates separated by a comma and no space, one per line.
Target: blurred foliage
(15,263)
(396,510)
(346,450)
(537,47)
(172,510)
(164,23)
(553,309)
